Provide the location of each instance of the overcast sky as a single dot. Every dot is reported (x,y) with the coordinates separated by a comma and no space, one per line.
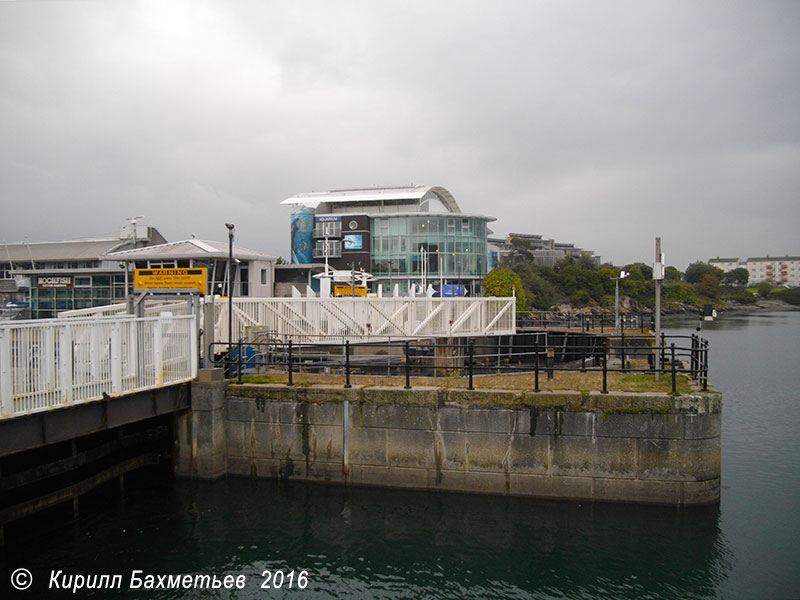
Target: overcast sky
(604,124)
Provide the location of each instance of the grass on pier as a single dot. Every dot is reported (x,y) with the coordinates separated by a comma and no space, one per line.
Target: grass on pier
(562,380)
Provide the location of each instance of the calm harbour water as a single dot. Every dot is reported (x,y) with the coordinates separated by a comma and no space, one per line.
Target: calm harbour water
(366,543)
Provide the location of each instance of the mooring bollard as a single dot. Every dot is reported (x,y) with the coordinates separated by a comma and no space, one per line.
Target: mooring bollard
(290,363)
(347,364)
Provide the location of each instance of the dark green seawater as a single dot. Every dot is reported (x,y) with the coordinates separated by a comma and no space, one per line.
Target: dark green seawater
(364,543)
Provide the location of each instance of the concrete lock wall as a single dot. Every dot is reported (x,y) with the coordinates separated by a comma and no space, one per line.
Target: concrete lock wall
(620,447)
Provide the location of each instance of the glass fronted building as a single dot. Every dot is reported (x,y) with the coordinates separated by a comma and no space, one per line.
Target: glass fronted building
(400,235)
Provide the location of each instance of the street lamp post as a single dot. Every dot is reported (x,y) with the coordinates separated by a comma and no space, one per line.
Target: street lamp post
(230,288)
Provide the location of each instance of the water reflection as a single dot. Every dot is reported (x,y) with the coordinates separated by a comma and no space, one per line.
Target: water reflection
(397,544)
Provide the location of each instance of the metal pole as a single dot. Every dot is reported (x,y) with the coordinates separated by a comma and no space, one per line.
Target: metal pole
(290,363)
(347,364)
(705,365)
(470,352)
(672,350)
(536,368)
(239,362)
(605,367)
(616,306)
(408,368)
(657,314)
(230,287)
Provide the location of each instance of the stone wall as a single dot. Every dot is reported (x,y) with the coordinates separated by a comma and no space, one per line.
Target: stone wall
(621,447)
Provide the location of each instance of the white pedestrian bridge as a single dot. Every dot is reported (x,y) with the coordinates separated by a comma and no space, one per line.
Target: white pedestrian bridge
(97,353)
(56,363)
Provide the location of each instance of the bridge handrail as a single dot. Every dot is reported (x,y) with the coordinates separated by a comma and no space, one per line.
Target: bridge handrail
(55,363)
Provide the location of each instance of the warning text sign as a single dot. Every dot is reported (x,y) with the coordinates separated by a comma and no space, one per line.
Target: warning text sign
(171,279)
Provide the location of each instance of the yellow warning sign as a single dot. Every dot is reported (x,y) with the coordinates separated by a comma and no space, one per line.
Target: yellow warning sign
(346,290)
(171,279)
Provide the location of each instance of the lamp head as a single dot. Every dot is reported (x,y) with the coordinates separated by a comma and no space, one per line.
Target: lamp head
(229,226)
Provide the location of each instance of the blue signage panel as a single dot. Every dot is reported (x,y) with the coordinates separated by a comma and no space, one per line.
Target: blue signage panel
(302,235)
(353,241)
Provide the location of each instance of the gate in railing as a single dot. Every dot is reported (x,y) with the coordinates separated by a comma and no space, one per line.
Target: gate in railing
(60,362)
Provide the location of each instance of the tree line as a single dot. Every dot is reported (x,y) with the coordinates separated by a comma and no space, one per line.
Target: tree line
(581,282)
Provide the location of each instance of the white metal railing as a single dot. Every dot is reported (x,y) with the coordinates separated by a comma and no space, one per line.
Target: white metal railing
(319,320)
(152,308)
(54,363)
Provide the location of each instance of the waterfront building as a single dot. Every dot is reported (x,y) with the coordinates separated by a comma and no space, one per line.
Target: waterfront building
(399,234)
(253,272)
(545,252)
(69,274)
(777,270)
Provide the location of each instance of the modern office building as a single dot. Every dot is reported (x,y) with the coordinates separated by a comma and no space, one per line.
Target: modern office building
(399,234)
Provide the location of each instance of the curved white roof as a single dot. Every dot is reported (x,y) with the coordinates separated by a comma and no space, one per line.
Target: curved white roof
(417,192)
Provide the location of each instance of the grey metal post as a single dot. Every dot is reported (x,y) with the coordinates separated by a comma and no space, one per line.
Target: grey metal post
(208,331)
(658,303)
(230,288)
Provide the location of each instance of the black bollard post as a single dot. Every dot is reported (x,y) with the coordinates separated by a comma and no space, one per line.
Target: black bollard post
(239,362)
(408,368)
(551,354)
(290,363)
(672,350)
(470,352)
(605,367)
(536,368)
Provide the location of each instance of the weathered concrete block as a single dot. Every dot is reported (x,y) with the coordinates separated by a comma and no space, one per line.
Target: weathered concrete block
(634,491)
(624,402)
(488,420)
(450,450)
(368,446)
(325,413)
(240,409)
(450,418)
(615,457)
(529,454)
(408,417)
(702,426)
(325,443)
(210,375)
(554,400)
(679,460)
(208,396)
(410,448)
(642,425)
(535,421)
(238,438)
(419,396)
(544,486)
(574,423)
(572,456)
(701,492)
(488,452)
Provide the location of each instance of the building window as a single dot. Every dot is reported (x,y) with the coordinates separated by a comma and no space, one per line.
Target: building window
(334,249)
(328,229)
(263,277)
(451,226)
(82,281)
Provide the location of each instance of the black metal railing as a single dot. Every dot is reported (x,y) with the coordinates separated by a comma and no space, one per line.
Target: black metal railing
(601,322)
(675,354)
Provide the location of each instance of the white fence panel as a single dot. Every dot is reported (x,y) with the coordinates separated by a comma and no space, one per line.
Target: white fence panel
(56,363)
